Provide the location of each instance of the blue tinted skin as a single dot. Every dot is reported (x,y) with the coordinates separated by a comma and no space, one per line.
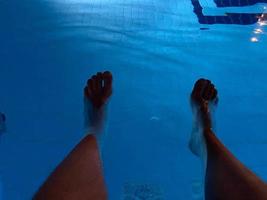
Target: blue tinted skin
(79,176)
(230,18)
(235,3)
(226,178)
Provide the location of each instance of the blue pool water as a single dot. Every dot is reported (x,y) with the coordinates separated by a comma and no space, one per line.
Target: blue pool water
(155,50)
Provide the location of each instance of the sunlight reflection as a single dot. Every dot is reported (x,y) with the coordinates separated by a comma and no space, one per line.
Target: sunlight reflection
(254,39)
(258,31)
(260,25)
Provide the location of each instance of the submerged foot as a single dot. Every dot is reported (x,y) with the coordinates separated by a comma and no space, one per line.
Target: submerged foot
(96,95)
(99,89)
(203,98)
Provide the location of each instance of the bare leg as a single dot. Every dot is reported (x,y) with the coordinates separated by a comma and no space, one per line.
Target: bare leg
(96,95)
(79,176)
(226,178)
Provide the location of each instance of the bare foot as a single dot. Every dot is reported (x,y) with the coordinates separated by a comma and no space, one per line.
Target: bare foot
(203,99)
(99,89)
(96,95)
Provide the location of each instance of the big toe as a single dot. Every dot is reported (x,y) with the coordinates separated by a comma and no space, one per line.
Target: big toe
(107,87)
(107,78)
(199,88)
(99,81)
(208,92)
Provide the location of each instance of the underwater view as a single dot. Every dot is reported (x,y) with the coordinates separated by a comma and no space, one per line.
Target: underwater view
(156,50)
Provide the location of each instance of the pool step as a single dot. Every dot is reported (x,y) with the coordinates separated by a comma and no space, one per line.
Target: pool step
(210,8)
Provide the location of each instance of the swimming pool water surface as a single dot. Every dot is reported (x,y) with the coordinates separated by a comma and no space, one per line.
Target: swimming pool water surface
(155,50)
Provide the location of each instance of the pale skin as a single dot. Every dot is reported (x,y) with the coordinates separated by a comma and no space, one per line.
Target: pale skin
(226,178)
(80,176)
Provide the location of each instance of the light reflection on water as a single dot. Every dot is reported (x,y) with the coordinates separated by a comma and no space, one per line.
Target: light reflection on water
(156,50)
